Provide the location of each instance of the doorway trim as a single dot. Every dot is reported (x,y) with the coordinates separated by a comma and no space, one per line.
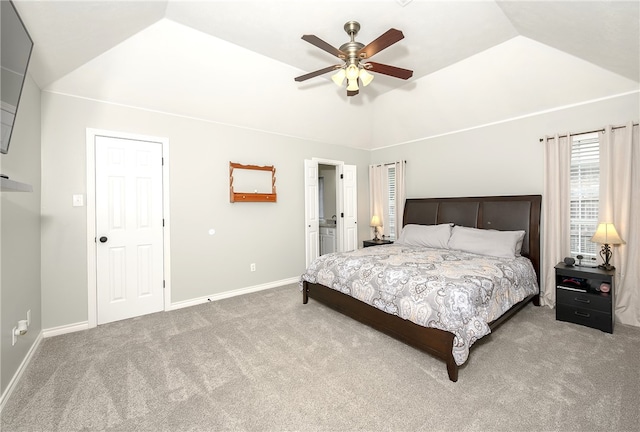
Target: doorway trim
(92,300)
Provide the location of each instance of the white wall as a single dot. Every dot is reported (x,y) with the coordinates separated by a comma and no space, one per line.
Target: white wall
(20,236)
(501,159)
(270,235)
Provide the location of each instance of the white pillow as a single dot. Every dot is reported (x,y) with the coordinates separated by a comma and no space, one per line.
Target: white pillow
(505,244)
(433,236)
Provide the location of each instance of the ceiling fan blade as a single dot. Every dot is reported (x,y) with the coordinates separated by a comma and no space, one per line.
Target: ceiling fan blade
(316,73)
(393,71)
(315,40)
(385,40)
(352,92)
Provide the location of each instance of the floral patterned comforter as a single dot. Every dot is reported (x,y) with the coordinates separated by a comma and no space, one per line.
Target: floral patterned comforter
(455,291)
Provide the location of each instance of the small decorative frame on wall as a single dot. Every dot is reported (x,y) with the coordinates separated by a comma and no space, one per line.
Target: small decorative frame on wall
(252,178)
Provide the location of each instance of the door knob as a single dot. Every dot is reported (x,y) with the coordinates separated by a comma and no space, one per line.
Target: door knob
(103,239)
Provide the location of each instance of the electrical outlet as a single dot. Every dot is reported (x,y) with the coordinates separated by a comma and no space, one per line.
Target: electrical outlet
(14,337)
(28,317)
(253,267)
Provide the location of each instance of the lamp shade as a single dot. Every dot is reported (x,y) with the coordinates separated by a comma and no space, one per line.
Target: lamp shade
(365,77)
(338,77)
(375,221)
(352,72)
(352,84)
(607,234)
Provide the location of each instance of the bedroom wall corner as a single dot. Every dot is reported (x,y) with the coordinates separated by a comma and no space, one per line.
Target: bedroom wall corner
(20,259)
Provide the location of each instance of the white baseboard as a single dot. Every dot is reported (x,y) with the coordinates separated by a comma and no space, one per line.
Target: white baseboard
(16,377)
(64,329)
(233,293)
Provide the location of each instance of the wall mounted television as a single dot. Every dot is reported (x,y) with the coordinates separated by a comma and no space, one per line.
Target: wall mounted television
(15,52)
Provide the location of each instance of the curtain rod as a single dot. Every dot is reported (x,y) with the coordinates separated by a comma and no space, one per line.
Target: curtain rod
(390,163)
(593,131)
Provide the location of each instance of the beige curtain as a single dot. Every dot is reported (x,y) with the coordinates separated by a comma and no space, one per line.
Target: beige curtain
(555,212)
(620,204)
(400,195)
(377,180)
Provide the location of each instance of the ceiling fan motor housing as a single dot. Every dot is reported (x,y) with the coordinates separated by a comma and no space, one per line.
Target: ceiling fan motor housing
(352,28)
(352,47)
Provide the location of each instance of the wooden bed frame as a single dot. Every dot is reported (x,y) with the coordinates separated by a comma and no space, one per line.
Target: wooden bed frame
(507,213)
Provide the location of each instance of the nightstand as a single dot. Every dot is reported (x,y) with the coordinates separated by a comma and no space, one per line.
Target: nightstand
(368,243)
(580,299)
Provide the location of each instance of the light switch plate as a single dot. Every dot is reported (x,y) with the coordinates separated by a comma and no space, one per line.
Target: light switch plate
(78,200)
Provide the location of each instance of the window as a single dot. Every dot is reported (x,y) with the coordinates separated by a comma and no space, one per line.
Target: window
(390,207)
(585,191)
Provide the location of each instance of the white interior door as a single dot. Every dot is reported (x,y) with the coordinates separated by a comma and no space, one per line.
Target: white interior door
(349,208)
(129,228)
(311,212)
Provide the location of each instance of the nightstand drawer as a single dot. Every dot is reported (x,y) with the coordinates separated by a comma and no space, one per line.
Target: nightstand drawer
(587,317)
(576,299)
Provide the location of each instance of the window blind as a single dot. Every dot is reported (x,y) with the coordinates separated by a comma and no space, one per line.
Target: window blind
(390,229)
(585,192)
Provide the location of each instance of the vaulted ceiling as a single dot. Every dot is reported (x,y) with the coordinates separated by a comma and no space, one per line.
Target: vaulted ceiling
(440,36)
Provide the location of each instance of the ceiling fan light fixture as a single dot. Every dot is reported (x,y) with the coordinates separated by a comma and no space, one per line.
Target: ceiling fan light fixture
(353,85)
(352,72)
(365,77)
(339,77)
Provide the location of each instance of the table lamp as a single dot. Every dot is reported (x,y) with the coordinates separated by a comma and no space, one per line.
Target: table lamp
(606,235)
(375,223)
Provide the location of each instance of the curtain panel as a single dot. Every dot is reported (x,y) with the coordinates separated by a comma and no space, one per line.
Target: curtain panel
(377,179)
(620,204)
(555,212)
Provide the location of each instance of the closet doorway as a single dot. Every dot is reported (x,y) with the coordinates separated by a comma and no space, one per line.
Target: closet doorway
(331,207)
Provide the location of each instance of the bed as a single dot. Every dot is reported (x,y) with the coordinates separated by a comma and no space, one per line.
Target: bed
(399,306)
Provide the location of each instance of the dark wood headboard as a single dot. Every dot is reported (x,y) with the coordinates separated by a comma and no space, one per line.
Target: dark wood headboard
(505,213)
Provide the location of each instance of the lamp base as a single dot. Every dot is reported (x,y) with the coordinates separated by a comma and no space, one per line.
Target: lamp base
(605,254)
(376,237)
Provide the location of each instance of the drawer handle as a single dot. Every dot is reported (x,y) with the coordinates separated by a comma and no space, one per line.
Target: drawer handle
(579,300)
(582,314)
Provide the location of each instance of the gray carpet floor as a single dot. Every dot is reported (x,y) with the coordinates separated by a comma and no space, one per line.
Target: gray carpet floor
(265,362)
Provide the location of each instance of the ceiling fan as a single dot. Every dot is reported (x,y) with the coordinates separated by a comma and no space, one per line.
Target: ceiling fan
(356,68)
